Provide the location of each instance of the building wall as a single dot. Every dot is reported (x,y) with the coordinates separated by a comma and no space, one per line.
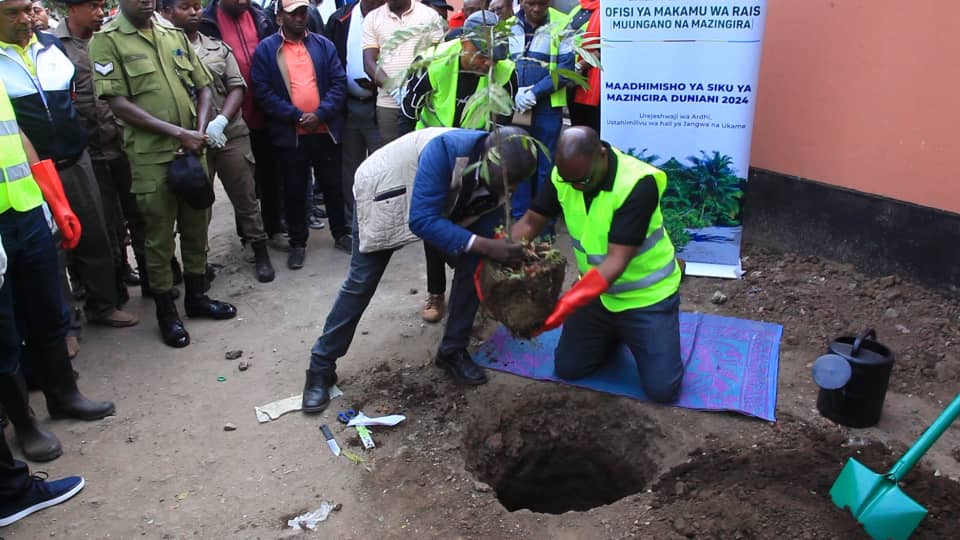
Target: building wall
(863,94)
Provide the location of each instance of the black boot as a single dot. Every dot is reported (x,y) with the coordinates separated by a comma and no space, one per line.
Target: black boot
(264,268)
(316,391)
(461,367)
(145,290)
(171,327)
(198,304)
(64,399)
(37,443)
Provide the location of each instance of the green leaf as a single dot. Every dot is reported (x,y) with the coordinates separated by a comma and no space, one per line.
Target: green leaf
(574,77)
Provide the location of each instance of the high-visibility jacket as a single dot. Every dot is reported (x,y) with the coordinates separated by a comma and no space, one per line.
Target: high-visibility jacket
(444,74)
(653,274)
(558,22)
(18,189)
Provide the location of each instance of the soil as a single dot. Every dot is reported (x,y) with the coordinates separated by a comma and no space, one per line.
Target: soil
(164,468)
(522,298)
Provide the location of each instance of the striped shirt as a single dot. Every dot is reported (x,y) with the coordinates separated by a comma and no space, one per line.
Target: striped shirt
(379,26)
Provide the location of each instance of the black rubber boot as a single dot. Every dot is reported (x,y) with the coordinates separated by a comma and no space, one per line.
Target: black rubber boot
(198,304)
(316,391)
(64,399)
(145,290)
(36,443)
(264,267)
(171,327)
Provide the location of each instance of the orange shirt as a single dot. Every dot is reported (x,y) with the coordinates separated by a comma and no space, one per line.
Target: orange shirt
(304,93)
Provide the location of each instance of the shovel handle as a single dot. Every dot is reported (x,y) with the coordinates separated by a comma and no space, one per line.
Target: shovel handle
(930,436)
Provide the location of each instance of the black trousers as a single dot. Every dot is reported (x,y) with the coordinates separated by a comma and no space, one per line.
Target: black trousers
(14,475)
(323,155)
(268,181)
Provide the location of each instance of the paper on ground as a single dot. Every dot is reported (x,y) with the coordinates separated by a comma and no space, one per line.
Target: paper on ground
(363,420)
(272,411)
(311,519)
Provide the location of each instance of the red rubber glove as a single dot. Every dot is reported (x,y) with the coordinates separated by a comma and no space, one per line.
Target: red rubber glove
(590,286)
(47,177)
(476,281)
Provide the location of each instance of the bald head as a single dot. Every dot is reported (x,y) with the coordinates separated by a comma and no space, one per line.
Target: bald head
(580,157)
(509,150)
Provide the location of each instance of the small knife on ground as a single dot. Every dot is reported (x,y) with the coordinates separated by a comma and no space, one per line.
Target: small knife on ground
(331,442)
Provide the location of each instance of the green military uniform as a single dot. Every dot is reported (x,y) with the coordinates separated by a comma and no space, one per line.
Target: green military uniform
(157,70)
(233,163)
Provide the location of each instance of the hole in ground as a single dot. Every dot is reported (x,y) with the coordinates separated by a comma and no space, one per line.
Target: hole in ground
(560,452)
(563,478)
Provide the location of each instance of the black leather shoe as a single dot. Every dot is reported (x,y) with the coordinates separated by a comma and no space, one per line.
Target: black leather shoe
(316,391)
(461,367)
(171,327)
(198,304)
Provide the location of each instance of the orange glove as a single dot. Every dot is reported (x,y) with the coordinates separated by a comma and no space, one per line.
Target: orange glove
(590,286)
(47,177)
(476,281)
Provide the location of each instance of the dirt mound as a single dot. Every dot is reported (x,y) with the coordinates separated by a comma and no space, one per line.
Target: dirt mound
(522,298)
(780,489)
(818,300)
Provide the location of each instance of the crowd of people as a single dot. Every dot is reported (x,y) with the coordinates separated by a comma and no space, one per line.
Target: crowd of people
(121,123)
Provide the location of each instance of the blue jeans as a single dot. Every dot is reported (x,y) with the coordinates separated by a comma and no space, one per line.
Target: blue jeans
(547,122)
(363,277)
(593,334)
(32,284)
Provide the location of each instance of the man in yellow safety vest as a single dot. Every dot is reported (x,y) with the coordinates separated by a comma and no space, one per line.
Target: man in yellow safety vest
(630,276)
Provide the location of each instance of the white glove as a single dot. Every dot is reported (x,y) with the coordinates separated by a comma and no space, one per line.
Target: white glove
(215,136)
(525,99)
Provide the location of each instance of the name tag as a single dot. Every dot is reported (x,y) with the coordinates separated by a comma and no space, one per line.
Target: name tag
(132,57)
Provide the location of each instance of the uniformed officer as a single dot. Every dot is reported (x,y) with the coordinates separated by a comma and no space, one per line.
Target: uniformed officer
(110,165)
(156,85)
(228,138)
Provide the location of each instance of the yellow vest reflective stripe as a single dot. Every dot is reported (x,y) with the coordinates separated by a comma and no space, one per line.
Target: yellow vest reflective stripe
(440,107)
(653,274)
(18,190)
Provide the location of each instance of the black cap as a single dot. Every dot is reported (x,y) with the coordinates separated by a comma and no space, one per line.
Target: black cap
(187,180)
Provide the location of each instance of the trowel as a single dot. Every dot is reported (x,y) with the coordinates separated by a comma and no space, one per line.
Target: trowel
(875,500)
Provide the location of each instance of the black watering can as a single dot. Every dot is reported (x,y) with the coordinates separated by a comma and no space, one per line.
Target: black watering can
(853,378)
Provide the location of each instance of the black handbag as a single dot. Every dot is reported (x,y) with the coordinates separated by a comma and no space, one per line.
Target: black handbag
(188,180)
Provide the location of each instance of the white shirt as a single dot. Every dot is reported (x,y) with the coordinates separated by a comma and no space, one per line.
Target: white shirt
(354,65)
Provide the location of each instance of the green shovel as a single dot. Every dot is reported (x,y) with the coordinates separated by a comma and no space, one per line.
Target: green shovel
(876,500)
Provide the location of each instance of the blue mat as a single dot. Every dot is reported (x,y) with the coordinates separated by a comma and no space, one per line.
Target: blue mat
(730,364)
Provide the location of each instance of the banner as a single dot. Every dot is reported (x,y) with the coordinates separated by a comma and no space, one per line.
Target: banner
(680,83)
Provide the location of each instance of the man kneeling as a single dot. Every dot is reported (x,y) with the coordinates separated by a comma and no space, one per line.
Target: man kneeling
(419,180)
(630,275)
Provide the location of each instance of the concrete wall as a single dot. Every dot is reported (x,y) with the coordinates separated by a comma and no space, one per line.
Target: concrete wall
(863,94)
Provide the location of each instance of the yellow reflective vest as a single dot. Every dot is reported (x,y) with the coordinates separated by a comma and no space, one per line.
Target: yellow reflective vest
(653,274)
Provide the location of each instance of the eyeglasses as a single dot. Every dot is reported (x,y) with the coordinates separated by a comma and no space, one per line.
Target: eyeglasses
(584,181)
